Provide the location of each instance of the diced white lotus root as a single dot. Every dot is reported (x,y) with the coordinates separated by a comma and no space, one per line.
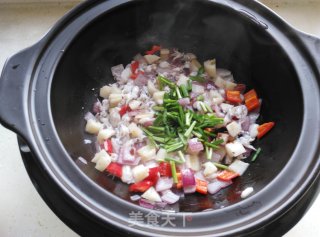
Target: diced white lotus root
(224,137)
(245,193)
(135,131)
(98,155)
(235,149)
(125,75)
(164,54)
(230,85)
(93,127)
(216,97)
(102,160)
(220,82)
(126,176)
(158,97)
(253,130)
(164,64)
(107,90)
(134,104)
(105,134)
(114,99)
(151,58)
(152,195)
(161,154)
(140,172)
(226,107)
(210,67)
(209,169)
(151,88)
(234,128)
(193,162)
(147,152)
(239,166)
(195,65)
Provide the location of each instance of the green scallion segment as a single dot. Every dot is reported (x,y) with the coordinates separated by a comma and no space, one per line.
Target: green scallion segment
(256,154)
(174,171)
(221,166)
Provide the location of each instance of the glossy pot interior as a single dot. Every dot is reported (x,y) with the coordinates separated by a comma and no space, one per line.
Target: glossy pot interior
(206,29)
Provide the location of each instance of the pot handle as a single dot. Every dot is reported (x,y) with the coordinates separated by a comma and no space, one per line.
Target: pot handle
(313,44)
(14,86)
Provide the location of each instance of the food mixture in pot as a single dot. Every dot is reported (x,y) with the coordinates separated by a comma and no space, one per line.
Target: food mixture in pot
(171,123)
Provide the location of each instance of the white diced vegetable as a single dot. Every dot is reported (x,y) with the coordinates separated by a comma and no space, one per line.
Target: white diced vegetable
(151,88)
(105,134)
(235,149)
(226,107)
(158,97)
(195,65)
(126,174)
(114,117)
(216,97)
(102,160)
(135,131)
(193,162)
(164,54)
(139,173)
(107,90)
(220,82)
(93,126)
(234,128)
(224,137)
(151,58)
(164,64)
(125,75)
(147,152)
(198,89)
(152,195)
(183,80)
(245,193)
(210,67)
(134,104)
(114,99)
(239,166)
(98,155)
(209,168)
(253,130)
(161,154)
(230,85)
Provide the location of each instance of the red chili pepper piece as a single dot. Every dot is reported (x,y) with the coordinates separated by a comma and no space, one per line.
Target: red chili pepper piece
(264,128)
(153,174)
(233,96)
(108,146)
(227,175)
(154,49)
(165,169)
(134,67)
(141,186)
(201,186)
(115,169)
(251,100)
(124,109)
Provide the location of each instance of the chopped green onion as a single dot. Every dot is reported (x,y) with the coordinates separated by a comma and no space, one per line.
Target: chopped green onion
(181,156)
(203,107)
(199,135)
(173,159)
(200,98)
(158,108)
(221,166)
(156,128)
(209,152)
(166,81)
(174,147)
(178,93)
(174,171)
(188,132)
(183,140)
(197,78)
(256,154)
(208,108)
(184,91)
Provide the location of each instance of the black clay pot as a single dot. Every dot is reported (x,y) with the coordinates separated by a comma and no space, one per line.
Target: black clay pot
(46,89)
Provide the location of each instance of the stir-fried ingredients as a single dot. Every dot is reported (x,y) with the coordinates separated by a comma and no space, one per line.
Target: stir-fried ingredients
(170,122)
